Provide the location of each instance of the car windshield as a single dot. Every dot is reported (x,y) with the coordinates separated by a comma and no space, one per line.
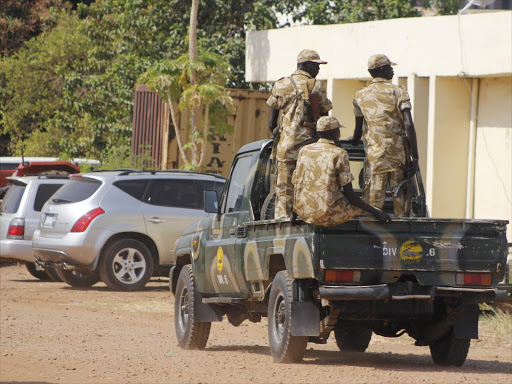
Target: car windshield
(12,199)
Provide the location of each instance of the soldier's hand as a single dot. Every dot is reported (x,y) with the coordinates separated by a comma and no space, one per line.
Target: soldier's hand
(353,141)
(411,168)
(383,217)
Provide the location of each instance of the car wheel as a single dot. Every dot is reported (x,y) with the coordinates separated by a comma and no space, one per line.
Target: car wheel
(52,273)
(352,338)
(126,265)
(37,273)
(450,351)
(284,347)
(79,278)
(190,333)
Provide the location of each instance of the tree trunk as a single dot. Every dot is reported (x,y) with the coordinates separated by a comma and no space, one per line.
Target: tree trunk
(192,52)
(176,125)
(205,134)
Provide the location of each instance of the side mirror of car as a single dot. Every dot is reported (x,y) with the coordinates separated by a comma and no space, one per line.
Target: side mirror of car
(211,201)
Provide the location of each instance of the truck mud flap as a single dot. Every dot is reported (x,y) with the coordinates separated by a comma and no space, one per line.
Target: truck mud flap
(466,323)
(305,318)
(206,313)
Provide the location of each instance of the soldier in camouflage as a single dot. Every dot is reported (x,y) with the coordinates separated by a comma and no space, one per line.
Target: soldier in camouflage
(290,96)
(322,173)
(383,115)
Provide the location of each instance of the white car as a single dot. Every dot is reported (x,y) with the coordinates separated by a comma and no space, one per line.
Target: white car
(19,218)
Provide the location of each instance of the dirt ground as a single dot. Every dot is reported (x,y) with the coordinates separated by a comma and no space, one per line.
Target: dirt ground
(52,333)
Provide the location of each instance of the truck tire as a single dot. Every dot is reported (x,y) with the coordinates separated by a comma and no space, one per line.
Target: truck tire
(37,273)
(352,338)
(52,273)
(189,333)
(450,351)
(126,265)
(284,347)
(79,278)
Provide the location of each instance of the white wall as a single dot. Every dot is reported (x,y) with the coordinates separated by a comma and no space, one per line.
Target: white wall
(476,44)
(493,162)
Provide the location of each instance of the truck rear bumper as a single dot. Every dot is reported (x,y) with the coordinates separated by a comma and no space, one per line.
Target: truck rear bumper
(383,292)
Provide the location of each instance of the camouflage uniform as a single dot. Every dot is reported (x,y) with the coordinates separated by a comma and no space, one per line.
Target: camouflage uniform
(290,95)
(381,105)
(322,170)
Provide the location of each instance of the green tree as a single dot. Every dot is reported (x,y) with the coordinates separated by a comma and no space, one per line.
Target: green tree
(207,95)
(33,89)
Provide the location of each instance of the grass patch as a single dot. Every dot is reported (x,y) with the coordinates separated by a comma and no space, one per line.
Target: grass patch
(496,327)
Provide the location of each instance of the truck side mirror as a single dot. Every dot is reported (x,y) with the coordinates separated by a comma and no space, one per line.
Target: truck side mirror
(210,201)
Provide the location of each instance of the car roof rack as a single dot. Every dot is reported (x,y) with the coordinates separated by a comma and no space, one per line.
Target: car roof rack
(116,170)
(178,171)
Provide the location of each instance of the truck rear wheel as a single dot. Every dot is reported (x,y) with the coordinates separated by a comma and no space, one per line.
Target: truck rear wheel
(190,333)
(352,338)
(450,351)
(284,347)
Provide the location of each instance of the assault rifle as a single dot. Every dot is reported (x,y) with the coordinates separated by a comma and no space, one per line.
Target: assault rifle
(406,186)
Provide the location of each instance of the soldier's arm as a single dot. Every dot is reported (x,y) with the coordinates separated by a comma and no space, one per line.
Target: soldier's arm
(411,135)
(353,199)
(358,130)
(272,121)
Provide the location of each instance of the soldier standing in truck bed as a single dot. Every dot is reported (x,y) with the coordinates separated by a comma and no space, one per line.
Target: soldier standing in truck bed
(323,193)
(383,115)
(291,96)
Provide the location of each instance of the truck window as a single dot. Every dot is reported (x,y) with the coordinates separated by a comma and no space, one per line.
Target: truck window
(234,197)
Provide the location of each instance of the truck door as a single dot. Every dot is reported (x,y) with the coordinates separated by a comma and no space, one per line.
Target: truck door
(223,264)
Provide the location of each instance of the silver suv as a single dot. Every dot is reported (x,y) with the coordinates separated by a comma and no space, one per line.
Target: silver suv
(19,218)
(119,227)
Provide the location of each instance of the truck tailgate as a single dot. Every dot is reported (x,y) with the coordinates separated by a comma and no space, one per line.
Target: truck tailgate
(416,246)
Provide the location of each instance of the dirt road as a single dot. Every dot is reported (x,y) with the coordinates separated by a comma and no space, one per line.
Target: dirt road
(52,333)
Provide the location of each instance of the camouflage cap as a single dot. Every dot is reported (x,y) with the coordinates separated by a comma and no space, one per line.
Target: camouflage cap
(309,55)
(379,60)
(327,123)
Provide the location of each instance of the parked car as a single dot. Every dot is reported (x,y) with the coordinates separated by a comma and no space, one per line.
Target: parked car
(19,218)
(119,227)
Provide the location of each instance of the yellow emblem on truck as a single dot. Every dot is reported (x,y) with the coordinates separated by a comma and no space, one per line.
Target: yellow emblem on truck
(220,259)
(411,252)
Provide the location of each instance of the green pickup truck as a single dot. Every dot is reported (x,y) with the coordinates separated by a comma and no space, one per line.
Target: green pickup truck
(421,276)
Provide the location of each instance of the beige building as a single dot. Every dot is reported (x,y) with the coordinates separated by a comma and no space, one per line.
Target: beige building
(458,71)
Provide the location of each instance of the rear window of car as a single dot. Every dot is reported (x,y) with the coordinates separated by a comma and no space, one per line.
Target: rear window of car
(44,192)
(135,188)
(77,189)
(12,199)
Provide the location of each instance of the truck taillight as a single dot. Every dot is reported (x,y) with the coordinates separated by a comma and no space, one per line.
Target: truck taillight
(16,229)
(342,276)
(83,222)
(474,279)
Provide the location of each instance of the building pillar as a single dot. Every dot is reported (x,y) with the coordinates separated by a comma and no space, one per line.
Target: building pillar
(342,93)
(417,88)
(447,146)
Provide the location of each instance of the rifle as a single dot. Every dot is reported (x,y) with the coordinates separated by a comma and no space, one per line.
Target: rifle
(314,106)
(406,185)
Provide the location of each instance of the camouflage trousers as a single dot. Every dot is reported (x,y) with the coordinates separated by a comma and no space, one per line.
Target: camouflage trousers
(284,189)
(374,192)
